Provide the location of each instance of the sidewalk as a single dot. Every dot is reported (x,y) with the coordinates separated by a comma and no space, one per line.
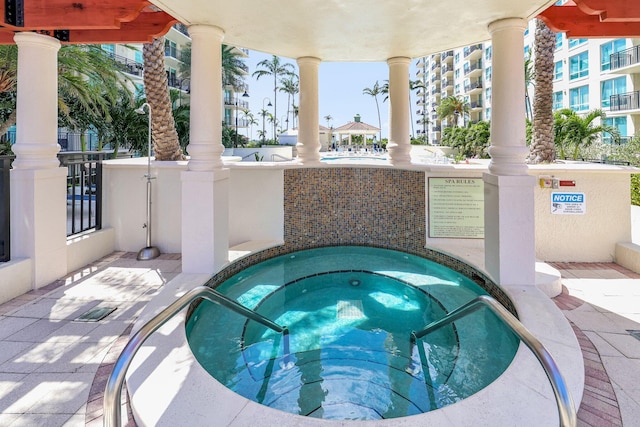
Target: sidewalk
(53,368)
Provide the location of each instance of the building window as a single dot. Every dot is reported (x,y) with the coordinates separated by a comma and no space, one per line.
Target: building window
(138,56)
(487,94)
(170,48)
(557,100)
(488,53)
(109,48)
(576,42)
(456,73)
(457,88)
(611,87)
(487,74)
(557,73)
(579,65)
(606,49)
(579,98)
(456,58)
(558,40)
(526,50)
(487,114)
(619,123)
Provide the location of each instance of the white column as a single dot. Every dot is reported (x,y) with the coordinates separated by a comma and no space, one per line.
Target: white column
(509,198)
(205,186)
(38,184)
(399,145)
(308,145)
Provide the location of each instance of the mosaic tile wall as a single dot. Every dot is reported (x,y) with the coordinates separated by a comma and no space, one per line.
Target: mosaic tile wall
(380,207)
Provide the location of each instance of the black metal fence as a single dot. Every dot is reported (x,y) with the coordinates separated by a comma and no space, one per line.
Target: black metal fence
(5,208)
(84,190)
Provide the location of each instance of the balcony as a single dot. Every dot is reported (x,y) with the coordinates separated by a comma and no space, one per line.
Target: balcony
(475,105)
(474,87)
(435,89)
(625,58)
(447,83)
(435,65)
(446,57)
(625,101)
(446,70)
(473,68)
(179,84)
(182,29)
(472,52)
(130,66)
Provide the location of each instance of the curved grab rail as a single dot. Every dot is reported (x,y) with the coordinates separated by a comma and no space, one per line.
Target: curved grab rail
(566,407)
(113,390)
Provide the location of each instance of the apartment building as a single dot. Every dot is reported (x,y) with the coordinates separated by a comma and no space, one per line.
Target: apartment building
(589,74)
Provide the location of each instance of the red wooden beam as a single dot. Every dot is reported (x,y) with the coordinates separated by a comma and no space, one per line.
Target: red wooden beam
(141,30)
(611,10)
(76,14)
(574,22)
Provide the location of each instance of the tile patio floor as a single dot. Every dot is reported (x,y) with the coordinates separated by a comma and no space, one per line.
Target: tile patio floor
(53,368)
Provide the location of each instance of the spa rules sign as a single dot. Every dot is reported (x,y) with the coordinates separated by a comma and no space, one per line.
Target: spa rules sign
(456,208)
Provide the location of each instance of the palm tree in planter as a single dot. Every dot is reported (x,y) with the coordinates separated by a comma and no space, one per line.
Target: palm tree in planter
(290,86)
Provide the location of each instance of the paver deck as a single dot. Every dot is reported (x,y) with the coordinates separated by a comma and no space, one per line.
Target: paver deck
(53,368)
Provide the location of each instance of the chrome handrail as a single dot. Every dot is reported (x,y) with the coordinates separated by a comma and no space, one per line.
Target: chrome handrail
(566,407)
(113,390)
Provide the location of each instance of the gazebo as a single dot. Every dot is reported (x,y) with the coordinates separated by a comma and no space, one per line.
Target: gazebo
(356,127)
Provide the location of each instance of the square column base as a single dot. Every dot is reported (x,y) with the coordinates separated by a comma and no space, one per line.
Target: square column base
(205,221)
(39,222)
(509,229)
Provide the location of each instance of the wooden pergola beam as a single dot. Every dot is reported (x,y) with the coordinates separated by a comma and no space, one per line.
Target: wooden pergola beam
(74,14)
(575,23)
(611,10)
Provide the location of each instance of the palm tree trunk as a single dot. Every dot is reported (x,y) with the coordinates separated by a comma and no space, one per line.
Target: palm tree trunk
(165,137)
(379,121)
(542,144)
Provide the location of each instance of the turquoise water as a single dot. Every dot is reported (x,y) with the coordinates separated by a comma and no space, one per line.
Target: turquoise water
(350,312)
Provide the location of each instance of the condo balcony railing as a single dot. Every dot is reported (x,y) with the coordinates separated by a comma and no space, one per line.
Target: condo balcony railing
(130,65)
(182,28)
(473,85)
(625,58)
(470,49)
(445,55)
(477,65)
(625,101)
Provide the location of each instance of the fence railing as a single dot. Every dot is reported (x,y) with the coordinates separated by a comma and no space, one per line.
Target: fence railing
(625,58)
(84,190)
(5,208)
(625,101)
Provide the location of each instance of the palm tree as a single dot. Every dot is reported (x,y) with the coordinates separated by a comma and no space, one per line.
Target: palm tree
(573,132)
(328,118)
(375,91)
(276,69)
(290,86)
(251,120)
(542,144)
(453,106)
(263,113)
(233,68)
(89,84)
(529,77)
(166,145)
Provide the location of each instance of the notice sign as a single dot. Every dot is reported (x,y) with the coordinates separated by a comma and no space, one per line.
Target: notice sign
(456,208)
(568,204)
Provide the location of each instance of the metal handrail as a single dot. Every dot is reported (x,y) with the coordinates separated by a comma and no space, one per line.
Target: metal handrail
(566,407)
(113,390)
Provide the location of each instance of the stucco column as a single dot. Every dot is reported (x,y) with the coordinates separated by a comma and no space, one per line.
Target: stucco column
(38,184)
(205,186)
(308,145)
(399,145)
(509,190)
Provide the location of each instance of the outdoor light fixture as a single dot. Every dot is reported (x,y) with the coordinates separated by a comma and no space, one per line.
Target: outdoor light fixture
(148,252)
(264,132)
(244,95)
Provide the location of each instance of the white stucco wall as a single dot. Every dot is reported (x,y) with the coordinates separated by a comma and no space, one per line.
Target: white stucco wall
(256,197)
(590,237)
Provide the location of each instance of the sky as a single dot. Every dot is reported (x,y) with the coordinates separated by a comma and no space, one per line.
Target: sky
(340,92)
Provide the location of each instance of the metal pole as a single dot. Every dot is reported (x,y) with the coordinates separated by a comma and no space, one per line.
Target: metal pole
(148,252)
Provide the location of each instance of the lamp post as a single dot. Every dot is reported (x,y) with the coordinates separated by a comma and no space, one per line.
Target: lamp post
(244,95)
(264,134)
(148,252)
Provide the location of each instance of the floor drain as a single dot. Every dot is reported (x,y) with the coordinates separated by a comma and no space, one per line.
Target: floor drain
(96,314)
(634,333)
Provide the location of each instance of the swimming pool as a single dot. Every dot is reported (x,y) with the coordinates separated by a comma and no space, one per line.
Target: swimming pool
(348,355)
